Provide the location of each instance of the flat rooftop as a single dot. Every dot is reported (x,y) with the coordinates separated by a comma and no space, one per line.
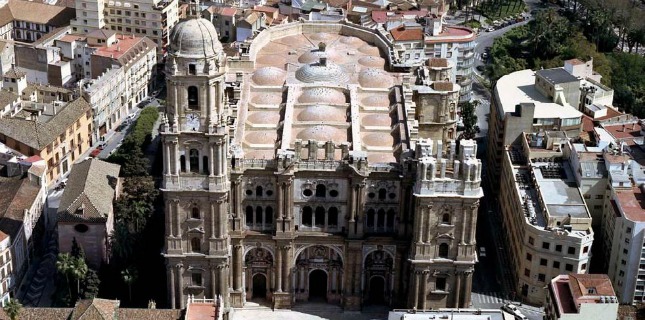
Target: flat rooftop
(557,75)
(519,87)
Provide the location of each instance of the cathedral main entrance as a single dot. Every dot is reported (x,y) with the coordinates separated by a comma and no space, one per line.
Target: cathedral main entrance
(259,286)
(318,285)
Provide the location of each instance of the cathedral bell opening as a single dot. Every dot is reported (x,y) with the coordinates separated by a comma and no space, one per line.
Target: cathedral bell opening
(318,286)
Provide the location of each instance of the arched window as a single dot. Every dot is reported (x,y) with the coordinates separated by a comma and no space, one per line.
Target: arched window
(206,165)
(194,160)
(443,250)
(320,217)
(195,245)
(193,98)
(258,215)
(390,219)
(182,162)
(195,213)
(370,218)
(268,216)
(321,191)
(332,217)
(249,215)
(380,220)
(258,191)
(381,194)
(445,219)
(307,218)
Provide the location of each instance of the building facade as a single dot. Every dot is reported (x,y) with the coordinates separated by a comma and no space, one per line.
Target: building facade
(289,174)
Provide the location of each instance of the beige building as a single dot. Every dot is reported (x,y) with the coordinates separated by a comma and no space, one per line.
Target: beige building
(85,212)
(289,174)
(581,297)
(59,132)
(547,223)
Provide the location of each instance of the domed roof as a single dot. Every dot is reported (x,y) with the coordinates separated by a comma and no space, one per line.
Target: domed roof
(318,72)
(375,78)
(372,61)
(376,101)
(322,95)
(322,133)
(266,98)
(378,140)
(260,137)
(269,76)
(322,113)
(195,37)
(378,120)
(264,117)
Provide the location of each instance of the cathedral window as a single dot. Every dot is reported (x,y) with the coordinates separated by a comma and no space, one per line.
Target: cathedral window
(321,191)
(319,218)
(445,219)
(307,218)
(194,160)
(249,216)
(192,69)
(195,245)
(381,194)
(193,98)
(332,218)
(195,213)
(268,216)
(258,191)
(443,250)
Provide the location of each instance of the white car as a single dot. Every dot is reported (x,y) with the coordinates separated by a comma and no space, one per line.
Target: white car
(513,310)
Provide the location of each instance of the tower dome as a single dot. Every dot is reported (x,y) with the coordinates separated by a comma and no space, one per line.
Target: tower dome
(195,38)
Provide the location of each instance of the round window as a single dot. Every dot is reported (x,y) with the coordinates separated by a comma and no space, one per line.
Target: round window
(82,228)
(307,192)
(269,193)
(333,193)
(249,192)
(371,195)
(392,195)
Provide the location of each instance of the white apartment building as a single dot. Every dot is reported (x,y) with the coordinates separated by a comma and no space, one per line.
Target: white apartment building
(108,96)
(581,297)
(547,224)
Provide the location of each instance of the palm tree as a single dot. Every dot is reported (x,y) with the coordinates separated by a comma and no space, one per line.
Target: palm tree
(63,265)
(78,270)
(12,309)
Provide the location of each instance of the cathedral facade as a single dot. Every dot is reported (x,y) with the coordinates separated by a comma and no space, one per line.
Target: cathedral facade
(303,168)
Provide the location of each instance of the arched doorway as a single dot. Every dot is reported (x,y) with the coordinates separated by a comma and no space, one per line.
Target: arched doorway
(259,286)
(318,285)
(377,290)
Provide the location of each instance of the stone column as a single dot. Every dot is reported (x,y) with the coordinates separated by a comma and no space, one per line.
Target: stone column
(172,289)
(457,303)
(424,290)
(278,270)
(180,278)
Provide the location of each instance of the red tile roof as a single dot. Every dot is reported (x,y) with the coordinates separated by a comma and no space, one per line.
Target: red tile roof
(407,34)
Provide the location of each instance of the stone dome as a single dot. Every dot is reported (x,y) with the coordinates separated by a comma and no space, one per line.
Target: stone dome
(322,113)
(264,117)
(195,38)
(378,140)
(318,72)
(372,61)
(322,133)
(269,76)
(266,98)
(322,95)
(376,120)
(375,78)
(260,137)
(376,101)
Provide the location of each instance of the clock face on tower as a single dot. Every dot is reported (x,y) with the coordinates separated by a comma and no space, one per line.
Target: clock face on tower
(192,122)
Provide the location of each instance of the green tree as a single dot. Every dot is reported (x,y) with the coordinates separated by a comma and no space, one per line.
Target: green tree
(12,309)
(129,276)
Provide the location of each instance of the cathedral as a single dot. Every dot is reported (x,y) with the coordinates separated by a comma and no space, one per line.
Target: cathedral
(303,166)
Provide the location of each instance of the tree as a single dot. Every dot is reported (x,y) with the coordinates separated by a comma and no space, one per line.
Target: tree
(469,117)
(129,276)
(63,265)
(12,309)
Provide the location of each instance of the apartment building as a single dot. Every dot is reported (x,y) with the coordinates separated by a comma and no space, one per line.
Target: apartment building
(547,224)
(58,132)
(519,104)
(581,297)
